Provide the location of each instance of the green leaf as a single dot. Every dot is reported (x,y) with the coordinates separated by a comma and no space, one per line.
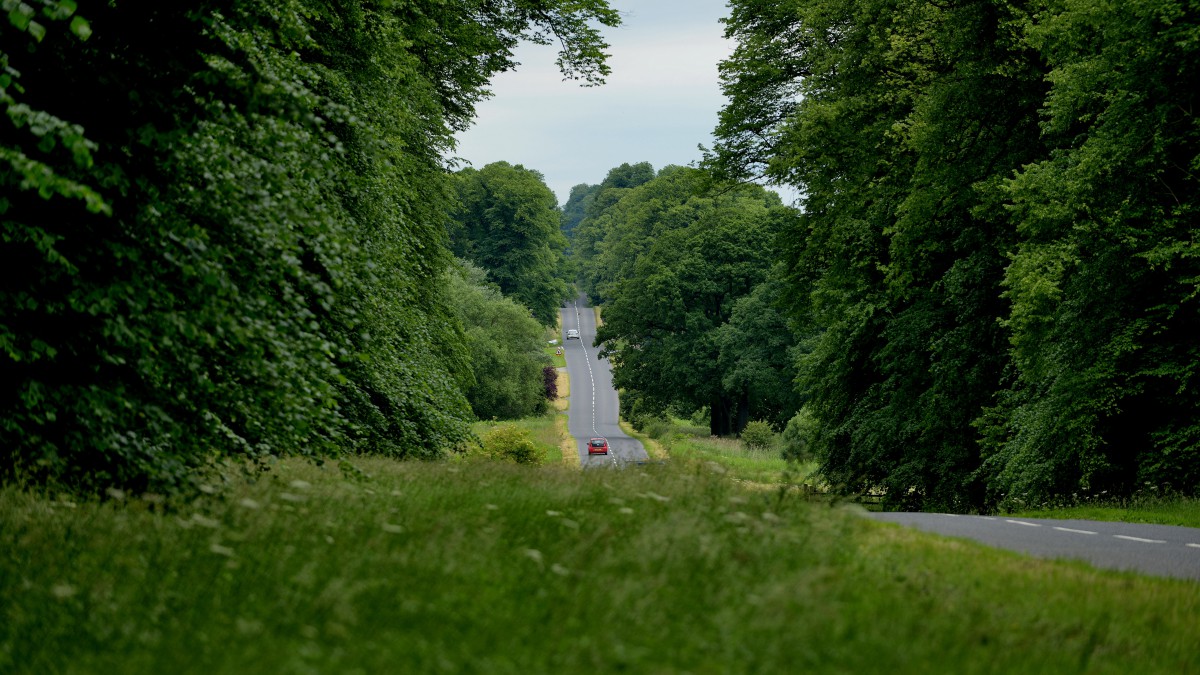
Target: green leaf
(81,28)
(37,30)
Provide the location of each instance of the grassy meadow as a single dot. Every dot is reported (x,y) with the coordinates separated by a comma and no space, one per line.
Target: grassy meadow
(495,568)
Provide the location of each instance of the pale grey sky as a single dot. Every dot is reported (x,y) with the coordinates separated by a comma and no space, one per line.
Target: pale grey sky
(660,102)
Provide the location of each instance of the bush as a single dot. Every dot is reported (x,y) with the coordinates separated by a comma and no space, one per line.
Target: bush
(657,428)
(510,443)
(550,382)
(798,435)
(758,435)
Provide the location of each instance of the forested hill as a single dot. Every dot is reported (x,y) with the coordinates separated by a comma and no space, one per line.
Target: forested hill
(996,273)
(224,226)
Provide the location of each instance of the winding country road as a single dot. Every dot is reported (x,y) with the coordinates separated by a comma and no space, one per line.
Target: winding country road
(594,408)
(1162,550)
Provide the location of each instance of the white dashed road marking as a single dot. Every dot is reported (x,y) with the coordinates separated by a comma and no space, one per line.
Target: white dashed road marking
(1144,541)
(1067,529)
(1021,522)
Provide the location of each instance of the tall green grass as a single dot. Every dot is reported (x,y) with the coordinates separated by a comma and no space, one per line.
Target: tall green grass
(489,568)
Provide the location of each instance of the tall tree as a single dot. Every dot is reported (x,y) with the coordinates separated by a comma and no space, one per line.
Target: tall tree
(504,347)
(595,224)
(1104,284)
(509,225)
(662,325)
(576,207)
(247,260)
(897,120)
(757,354)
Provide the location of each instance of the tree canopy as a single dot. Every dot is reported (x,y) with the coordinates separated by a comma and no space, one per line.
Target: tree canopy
(674,262)
(993,272)
(509,224)
(504,347)
(231,243)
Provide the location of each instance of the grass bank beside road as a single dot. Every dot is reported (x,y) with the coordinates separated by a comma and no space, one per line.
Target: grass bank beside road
(1144,509)
(495,568)
(683,441)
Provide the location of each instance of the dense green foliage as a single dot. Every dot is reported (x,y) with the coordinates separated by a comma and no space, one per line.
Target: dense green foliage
(222,226)
(596,221)
(508,223)
(680,268)
(758,435)
(509,443)
(504,347)
(576,208)
(995,272)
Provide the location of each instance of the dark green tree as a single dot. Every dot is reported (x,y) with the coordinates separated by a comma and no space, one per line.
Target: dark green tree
(662,326)
(230,243)
(576,208)
(898,121)
(504,347)
(757,353)
(595,225)
(1103,285)
(509,225)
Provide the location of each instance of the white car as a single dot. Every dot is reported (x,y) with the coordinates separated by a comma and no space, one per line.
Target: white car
(572,333)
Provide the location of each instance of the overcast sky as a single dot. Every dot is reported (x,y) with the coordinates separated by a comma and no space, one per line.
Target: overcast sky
(660,102)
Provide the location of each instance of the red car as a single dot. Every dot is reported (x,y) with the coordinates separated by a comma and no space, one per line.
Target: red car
(598,446)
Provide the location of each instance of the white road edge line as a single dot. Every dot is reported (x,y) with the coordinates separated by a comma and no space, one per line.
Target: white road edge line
(1067,529)
(1144,541)
(1021,522)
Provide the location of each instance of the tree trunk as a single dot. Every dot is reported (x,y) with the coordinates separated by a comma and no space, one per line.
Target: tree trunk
(720,417)
(743,412)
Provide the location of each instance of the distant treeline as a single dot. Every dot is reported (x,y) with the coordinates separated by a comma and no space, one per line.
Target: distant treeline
(224,229)
(995,274)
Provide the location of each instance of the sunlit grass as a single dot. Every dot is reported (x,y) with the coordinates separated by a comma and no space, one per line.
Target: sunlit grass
(496,568)
(563,402)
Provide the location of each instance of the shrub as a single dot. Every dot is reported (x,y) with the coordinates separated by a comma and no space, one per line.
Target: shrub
(550,382)
(758,435)
(798,435)
(658,428)
(510,443)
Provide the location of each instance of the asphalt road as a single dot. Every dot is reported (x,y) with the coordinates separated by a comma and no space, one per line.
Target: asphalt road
(1161,550)
(594,408)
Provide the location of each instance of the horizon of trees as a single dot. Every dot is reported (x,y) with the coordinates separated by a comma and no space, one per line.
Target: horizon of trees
(507,221)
